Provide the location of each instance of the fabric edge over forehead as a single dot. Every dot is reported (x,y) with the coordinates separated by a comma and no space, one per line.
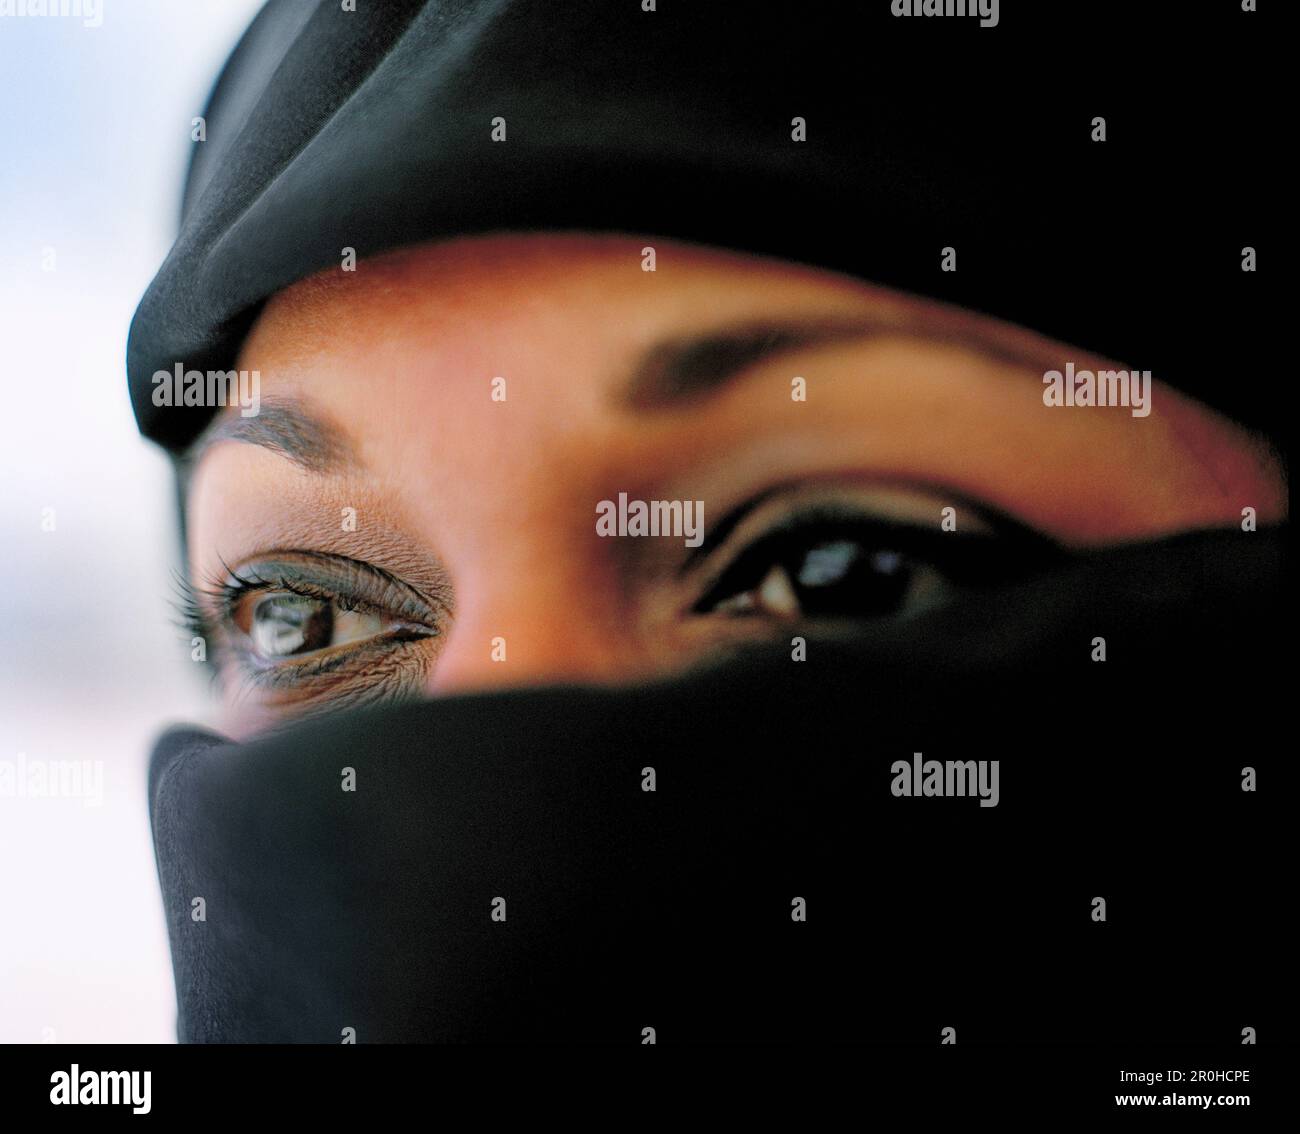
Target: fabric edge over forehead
(422,120)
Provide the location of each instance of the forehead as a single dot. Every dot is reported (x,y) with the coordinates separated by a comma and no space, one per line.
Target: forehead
(521,291)
(424,348)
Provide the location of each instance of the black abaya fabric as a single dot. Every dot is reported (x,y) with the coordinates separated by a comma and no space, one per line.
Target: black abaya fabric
(673,910)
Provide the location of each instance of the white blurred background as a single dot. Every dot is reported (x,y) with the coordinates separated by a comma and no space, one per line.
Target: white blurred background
(94,137)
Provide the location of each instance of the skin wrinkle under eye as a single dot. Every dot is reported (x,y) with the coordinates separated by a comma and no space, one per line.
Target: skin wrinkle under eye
(327,687)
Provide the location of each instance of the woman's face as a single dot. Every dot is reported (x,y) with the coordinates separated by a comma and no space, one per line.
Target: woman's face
(415,508)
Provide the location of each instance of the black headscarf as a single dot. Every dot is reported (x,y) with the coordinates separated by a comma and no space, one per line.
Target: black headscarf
(376,910)
(332,129)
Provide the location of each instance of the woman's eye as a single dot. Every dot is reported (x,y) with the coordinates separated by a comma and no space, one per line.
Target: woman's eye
(832,565)
(307,631)
(826,578)
(286,625)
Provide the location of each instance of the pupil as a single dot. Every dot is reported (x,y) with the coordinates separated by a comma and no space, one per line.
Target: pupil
(291,624)
(838,577)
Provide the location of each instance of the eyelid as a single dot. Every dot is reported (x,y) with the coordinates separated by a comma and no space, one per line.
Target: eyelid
(851,501)
(350,583)
(888,502)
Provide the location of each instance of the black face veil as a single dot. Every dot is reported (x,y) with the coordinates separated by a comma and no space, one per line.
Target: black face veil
(722,857)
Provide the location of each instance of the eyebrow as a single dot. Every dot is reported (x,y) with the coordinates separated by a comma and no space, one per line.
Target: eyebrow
(675,373)
(668,374)
(286,428)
